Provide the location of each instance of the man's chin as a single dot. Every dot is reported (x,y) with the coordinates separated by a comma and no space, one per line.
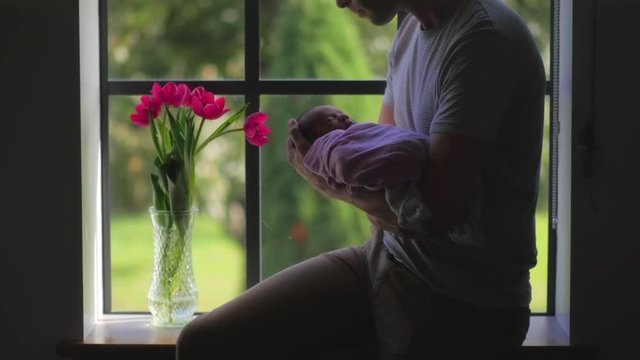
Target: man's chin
(380,20)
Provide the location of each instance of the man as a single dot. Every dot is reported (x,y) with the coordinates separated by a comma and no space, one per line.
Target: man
(467,74)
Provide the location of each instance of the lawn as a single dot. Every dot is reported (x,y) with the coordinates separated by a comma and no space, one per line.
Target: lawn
(219,263)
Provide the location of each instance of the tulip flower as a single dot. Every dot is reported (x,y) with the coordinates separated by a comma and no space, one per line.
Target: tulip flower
(206,105)
(256,130)
(179,135)
(148,105)
(173,95)
(176,137)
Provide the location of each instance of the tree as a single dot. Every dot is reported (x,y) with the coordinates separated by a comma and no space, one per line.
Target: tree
(298,222)
(303,39)
(174,40)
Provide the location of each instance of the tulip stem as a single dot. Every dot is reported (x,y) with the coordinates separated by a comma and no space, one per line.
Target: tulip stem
(230,131)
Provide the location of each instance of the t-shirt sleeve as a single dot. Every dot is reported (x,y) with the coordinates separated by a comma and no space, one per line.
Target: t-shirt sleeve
(476,87)
(388,91)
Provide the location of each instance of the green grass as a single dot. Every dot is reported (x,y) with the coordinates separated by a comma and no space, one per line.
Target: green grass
(219,263)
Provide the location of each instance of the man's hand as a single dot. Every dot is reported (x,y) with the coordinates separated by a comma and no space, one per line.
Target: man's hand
(372,203)
(297,147)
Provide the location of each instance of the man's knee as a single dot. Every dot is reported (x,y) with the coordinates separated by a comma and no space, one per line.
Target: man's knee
(207,337)
(192,342)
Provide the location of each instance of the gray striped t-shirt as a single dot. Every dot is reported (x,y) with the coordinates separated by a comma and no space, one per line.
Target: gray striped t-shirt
(478,73)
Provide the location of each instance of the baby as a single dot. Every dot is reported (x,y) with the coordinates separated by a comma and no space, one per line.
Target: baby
(361,156)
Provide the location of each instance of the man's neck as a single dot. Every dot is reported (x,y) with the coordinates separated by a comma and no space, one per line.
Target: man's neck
(431,13)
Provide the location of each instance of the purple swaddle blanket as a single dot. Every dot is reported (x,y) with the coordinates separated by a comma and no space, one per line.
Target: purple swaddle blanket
(368,156)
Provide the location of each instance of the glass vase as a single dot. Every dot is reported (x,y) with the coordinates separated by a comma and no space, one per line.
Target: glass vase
(173,295)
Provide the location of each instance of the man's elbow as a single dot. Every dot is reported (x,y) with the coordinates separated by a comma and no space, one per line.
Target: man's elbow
(446,209)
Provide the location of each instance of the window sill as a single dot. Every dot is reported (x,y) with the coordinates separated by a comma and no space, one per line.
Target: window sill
(132,337)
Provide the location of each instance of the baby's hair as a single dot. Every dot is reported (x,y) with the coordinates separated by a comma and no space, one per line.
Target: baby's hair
(304,126)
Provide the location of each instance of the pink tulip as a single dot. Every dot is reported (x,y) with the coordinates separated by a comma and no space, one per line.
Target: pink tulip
(170,94)
(148,105)
(206,105)
(256,130)
(199,92)
(183,95)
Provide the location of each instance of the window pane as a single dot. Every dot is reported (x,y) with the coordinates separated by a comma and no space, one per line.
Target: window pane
(537,14)
(218,237)
(297,222)
(314,39)
(176,39)
(540,274)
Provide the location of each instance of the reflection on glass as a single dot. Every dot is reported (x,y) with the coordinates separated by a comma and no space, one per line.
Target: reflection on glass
(176,39)
(314,39)
(218,237)
(297,222)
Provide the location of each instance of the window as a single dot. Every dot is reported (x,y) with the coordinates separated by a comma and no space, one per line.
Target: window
(256,215)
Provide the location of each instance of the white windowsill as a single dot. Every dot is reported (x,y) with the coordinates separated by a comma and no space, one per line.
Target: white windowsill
(136,329)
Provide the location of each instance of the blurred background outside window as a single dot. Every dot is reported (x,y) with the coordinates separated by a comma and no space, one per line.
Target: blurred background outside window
(305,40)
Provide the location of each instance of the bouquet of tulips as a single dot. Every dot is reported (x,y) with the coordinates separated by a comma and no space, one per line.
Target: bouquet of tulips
(176,115)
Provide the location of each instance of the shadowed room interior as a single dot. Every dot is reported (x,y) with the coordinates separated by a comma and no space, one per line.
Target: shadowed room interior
(43,298)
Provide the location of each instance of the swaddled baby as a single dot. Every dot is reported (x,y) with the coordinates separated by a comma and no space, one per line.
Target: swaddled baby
(368,157)
(361,155)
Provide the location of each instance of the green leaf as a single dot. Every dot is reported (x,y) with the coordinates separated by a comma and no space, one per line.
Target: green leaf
(179,196)
(172,168)
(167,143)
(178,139)
(154,137)
(160,199)
(198,135)
(219,131)
(186,151)
(182,122)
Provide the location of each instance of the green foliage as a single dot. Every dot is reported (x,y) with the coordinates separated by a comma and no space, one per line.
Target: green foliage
(176,39)
(337,51)
(537,14)
(203,39)
(218,262)
(298,221)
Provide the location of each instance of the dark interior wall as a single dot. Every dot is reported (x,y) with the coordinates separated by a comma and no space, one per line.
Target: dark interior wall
(40,232)
(605,256)
(40,241)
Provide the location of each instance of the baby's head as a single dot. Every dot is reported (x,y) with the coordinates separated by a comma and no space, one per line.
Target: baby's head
(320,120)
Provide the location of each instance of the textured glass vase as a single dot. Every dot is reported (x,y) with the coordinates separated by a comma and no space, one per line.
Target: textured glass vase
(173,295)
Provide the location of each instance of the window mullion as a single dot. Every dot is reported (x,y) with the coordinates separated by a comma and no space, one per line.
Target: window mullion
(252,154)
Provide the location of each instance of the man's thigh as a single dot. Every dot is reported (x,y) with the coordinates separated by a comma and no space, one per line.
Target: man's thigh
(414,322)
(319,304)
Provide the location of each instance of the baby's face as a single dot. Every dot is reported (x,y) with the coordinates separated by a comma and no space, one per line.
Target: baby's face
(328,118)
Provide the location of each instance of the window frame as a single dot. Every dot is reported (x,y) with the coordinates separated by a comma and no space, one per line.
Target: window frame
(252,87)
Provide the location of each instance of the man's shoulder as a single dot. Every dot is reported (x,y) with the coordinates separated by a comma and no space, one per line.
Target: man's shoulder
(504,23)
(492,27)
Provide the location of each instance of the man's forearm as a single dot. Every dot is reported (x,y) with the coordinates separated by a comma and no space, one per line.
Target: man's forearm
(373,203)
